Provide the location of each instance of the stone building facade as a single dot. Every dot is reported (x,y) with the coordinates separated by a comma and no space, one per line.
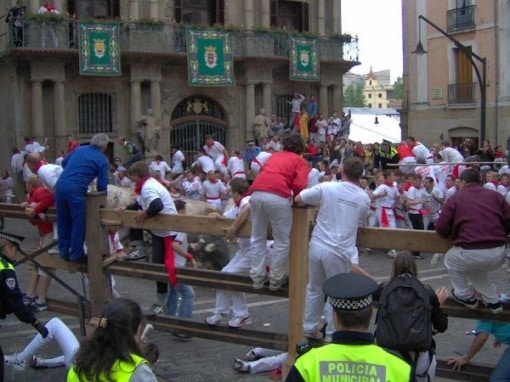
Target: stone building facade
(46,98)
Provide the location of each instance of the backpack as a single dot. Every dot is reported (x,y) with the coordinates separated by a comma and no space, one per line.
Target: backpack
(404,320)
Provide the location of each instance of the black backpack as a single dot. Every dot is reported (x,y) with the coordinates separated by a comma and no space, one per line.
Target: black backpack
(404,317)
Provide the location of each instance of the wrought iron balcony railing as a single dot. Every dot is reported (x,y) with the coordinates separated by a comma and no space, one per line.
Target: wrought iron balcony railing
(171,38)
(462,94)
(460,19)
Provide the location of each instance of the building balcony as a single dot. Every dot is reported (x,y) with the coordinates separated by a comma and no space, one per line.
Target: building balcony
(159,38)
(462,94)
(460,19)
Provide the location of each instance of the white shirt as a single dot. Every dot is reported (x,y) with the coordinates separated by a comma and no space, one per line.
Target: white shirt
(260,160)
(343,208)
(34,147)
(182,239)
(421,152)
(162,167)
(17,162)
(414,194)
(503,190)
(490,186)
(451,155)
(322,125)
(313,178)
(388,200)
(192,189)
(215,150)
(430,202)
(205,162)
(236,167)
(441,171)
(124,182)
(231,213)
(211,190)
(276,146)
(49,174)
(152,190)
(450,192)
(177,160)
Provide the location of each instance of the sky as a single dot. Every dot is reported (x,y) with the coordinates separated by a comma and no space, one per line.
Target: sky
(378,24)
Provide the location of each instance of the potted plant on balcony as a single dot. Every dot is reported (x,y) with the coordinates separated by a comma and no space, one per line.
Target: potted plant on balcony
(147,23)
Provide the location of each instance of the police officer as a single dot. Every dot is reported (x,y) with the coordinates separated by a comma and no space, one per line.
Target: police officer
(11,299)
(387,154)
(352,352)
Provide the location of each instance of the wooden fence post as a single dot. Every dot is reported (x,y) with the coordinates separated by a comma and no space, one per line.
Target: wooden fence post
(298,276)
(97,246)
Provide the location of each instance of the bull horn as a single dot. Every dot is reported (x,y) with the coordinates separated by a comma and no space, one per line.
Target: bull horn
(210,247)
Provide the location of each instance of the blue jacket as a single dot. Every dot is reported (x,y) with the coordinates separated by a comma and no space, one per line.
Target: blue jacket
(81,167)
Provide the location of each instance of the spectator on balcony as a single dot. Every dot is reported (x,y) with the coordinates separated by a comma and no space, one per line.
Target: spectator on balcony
(261,126)
(295,107)
(15,18)
(48,9)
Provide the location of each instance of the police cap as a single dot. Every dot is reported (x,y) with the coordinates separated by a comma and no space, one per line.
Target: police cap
(14,239)
(349,291)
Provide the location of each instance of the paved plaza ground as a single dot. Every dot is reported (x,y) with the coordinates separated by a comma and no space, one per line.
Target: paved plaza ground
(204,360)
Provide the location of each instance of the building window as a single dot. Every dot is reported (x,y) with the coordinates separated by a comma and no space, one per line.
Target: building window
(203,12)
(96,113)
(291,15)
(379,95)
(380,106)
(369,95)
(370,105)
(94,9)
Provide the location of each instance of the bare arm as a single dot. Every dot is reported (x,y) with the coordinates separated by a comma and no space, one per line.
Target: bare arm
(477,344)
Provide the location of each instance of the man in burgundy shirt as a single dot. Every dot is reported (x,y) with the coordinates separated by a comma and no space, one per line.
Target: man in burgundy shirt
(283,176)
(477,220)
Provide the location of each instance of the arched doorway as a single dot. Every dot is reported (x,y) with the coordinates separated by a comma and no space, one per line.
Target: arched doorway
(192,119)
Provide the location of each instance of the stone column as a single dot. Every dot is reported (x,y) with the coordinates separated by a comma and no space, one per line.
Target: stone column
(58,5)
(156,110)
(37,109)
(135,106)
(59,113)
(133,10)
(34,6)
(266,98)
(337,98)
(321,17)
(337,22)
(154,9)
(249,14)
(266,13)
(323,100)
(249,110)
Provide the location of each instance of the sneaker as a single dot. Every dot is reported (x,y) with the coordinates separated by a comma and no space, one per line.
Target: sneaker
(237,322)
(13,361)
(252,356)
(241,366)
(28,300)
(36,307)
(392,253)
(146,331)
(215,319)
(53,250)
(156,309)
(260,284)
(418,256)
(275,285)
(471,303)
(495,307)
(37,363)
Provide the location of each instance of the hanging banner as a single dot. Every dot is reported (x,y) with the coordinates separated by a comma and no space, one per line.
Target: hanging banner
(210,58)
(304,58)
(99,49)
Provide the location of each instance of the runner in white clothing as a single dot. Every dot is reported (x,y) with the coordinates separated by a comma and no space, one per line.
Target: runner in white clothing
(433,200)
(158,164)
(212,188)
(343,205)
(205,162)
(178,159)
(258,163)
(421,152)
(236,165)
(217,152)
(192,186)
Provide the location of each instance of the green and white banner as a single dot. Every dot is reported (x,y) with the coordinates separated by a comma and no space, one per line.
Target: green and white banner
(99,49)
(210,58)
(304,58)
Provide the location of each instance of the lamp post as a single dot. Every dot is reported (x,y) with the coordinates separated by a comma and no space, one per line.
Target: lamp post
(482,78)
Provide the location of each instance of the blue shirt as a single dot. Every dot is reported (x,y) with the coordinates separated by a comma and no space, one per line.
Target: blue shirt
(249,155)
(500,330)
(81,167)
(311,109)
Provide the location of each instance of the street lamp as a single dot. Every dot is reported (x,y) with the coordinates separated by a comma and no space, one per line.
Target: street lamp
(482,78)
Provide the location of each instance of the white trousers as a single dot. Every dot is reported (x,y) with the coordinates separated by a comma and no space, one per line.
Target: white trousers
(322,264)
(225,299)
(66,341)
(268,363)
(268,208)
(467,266)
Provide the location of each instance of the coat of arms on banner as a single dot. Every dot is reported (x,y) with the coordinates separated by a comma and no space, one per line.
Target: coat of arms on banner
(210,58)
(304,58)
(99,49)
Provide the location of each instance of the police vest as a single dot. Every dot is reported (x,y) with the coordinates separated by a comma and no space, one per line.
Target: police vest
(121,371)
(352,363)
(390,154)
(4,264)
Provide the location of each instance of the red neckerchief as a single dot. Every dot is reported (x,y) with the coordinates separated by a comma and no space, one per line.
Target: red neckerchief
(212,181)
(495,182)
(139,183)
(38,165)
(210,144)
(237,156)
(238,203)
(388,183)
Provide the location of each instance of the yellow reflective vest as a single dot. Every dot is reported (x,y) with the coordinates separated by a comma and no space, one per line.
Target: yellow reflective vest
(352,363)
(121,371)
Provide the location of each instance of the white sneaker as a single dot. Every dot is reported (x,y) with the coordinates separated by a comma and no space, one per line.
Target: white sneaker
(392,253)
(12,360)
(237,322)
(215,319)
(53,250)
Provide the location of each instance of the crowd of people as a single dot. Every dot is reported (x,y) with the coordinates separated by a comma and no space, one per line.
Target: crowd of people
(407,185)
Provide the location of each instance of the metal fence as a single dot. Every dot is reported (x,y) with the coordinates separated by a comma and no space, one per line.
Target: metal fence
(462,93)
(95,113)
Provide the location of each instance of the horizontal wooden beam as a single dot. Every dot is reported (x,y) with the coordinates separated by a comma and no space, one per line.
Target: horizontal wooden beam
(469,372)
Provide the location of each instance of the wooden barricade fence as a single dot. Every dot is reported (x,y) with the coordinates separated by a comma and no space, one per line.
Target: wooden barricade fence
(97,218)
